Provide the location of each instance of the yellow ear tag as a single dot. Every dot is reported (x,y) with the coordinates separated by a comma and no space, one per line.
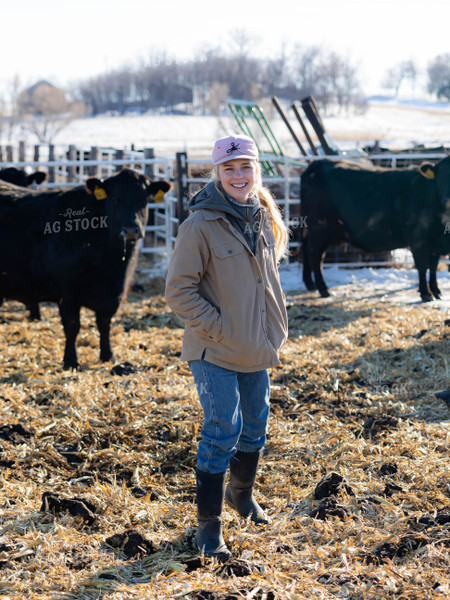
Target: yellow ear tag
(159,196)
(99,193)
(429,174)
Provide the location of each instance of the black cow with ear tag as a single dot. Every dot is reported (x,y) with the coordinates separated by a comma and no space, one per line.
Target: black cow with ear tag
(376,210)
(75,248)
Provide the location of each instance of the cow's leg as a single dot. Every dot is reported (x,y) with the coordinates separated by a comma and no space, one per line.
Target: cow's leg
(307,275)
(35,313)
(104,325)
(70,318)
(424,289)
(421,262)
(318,276)
(317,250)
(434,261)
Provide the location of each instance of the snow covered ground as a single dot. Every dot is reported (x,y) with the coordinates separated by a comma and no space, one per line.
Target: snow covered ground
(393,123)
(386,285)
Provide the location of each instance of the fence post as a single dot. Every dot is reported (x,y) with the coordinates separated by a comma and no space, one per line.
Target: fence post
(1,153)
(36,153)
(9,154)
(182,186)
(22,151)
(93,155)
(118,155)
(70,169)
(149,170)
(51,157)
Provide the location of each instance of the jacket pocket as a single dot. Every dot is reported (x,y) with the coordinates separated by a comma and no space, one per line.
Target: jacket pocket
(268,240)
(268,255)
(228,249)
(245,341)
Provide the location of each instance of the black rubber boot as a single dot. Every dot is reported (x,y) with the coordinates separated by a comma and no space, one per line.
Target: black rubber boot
(210,493)
(239,492)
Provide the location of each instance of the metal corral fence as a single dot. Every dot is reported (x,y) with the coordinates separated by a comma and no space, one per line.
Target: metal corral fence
(68,166)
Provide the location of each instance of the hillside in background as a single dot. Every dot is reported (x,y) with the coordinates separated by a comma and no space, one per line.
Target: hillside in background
(393,123)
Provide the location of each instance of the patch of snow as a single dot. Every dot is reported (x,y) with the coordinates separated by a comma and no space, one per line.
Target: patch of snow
(387,285)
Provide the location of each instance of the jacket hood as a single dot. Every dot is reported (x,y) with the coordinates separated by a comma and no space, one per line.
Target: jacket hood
(211,198)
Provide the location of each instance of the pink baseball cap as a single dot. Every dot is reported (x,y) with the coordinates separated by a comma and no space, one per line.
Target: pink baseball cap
(233,147)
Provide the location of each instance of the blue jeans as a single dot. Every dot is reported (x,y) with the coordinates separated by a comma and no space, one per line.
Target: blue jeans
(236,410)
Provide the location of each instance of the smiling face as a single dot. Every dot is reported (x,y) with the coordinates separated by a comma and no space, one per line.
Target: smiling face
(238,178)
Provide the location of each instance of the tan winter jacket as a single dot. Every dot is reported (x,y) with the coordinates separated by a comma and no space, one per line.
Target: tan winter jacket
(230,300)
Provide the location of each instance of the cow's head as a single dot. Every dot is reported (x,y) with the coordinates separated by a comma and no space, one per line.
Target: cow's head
(125,197)
(439,174)
(19,177)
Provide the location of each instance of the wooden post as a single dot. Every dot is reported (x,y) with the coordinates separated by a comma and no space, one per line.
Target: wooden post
(182,186)
(288,125)
(51,157)
(93,155)
(70,168)
(311,111)
(149,170)
(22,151)
(119,156)
(305,131)
(9,154)
(1,153)
(36,153)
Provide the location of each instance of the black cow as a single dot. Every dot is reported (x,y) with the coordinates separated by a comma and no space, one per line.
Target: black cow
(75,248)
(19,177)
(377,210)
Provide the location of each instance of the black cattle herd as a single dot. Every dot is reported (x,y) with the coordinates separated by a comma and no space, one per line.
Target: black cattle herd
(76,248)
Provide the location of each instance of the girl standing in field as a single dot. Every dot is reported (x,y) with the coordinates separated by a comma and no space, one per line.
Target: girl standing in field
(223,283)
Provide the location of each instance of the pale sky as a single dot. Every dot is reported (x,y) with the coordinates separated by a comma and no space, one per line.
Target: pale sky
(67,41)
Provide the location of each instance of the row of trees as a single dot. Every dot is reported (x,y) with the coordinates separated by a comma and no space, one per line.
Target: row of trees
(205,83)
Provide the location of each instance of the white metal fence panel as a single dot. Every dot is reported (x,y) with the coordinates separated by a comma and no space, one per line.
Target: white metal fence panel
(73,166)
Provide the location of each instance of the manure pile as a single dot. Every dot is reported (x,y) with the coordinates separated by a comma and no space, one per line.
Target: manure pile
(97,488)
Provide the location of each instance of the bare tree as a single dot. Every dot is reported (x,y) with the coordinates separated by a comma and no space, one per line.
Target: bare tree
(275,77)
(305,66)
(242,68)
(439,76)
(396,75)
(330,78)
(10,112)
(45,110)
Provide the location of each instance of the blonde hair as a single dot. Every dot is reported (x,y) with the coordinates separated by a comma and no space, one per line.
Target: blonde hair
(280,230)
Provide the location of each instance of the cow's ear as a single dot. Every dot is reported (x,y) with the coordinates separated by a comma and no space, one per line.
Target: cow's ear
(158,189)
(427,170)
(95,186)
